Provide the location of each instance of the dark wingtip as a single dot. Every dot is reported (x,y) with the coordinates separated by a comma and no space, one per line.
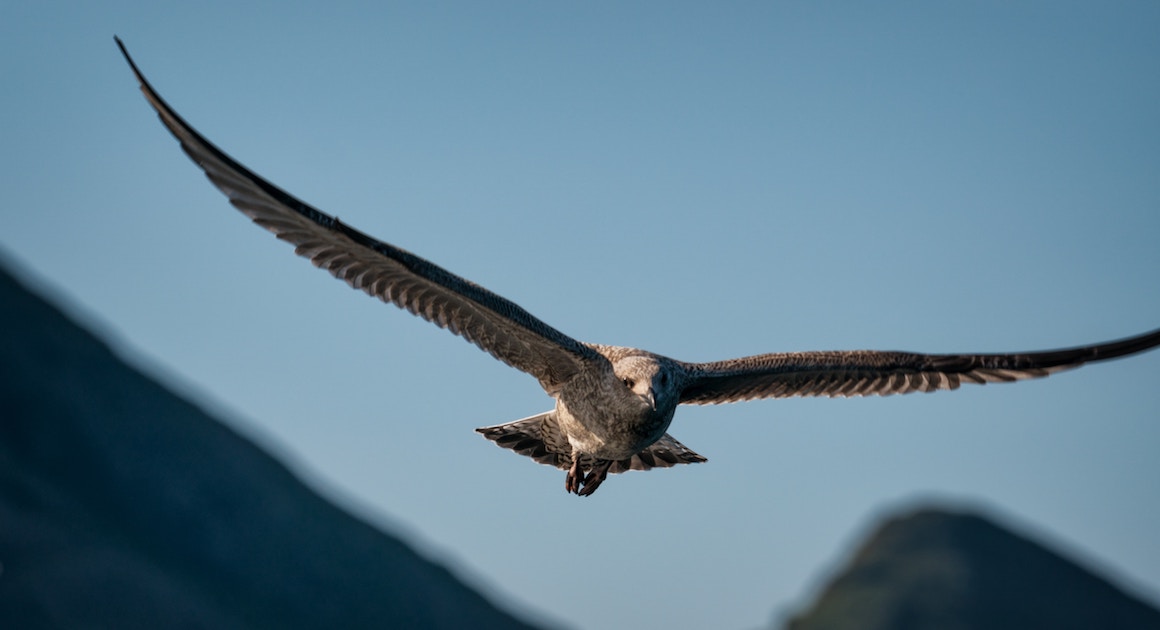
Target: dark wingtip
(124,51)
(132,65)
(1100,352)
(1131,345)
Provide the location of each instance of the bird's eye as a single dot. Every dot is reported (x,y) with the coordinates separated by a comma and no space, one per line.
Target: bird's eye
(628,382)
(664,379)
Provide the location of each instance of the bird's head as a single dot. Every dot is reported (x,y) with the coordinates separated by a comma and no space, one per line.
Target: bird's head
(649,379)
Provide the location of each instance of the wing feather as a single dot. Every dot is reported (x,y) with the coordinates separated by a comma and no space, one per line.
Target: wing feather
(496,325)
(868,372)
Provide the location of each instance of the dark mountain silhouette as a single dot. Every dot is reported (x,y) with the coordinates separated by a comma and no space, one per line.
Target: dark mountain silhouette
(124,506)
(934,569)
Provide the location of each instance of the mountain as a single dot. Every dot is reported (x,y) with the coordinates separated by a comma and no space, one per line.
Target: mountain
(935,569)
(124,506)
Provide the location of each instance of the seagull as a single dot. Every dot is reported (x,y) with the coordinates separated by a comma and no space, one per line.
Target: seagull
(613,404)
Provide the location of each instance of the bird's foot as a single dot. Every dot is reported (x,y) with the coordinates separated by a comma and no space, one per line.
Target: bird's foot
(594,478)
(574,479)
(585,484)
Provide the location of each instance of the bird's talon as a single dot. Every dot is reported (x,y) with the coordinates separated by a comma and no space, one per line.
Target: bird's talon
(574,479)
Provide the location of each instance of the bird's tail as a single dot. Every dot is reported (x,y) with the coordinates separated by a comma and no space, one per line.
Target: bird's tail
(540,438)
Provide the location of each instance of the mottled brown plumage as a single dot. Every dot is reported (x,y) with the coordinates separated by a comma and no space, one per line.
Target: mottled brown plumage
(613,404)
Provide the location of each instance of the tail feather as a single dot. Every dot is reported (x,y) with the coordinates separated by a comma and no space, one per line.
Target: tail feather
(537,436)
(540,438)
(664,453)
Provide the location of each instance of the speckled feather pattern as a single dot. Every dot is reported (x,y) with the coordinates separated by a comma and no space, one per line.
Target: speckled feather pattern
(876,373)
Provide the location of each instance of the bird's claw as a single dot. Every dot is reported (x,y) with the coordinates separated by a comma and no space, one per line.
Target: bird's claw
(594,478)
(582,484)
(574,479)
(590,485)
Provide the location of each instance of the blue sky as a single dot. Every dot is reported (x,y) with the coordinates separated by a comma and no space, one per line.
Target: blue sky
(703,181)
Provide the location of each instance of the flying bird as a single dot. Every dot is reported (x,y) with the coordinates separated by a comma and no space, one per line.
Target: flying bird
(613,404)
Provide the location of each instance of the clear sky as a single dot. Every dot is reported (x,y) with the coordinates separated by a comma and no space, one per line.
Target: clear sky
(701,180)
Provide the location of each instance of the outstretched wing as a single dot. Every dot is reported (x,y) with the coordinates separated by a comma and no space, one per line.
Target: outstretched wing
(498,326)
(867,372)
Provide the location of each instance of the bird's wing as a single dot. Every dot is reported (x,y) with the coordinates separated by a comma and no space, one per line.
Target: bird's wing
(867,372)
(498,326)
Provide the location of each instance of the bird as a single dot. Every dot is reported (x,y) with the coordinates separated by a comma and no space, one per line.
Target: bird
(613,404)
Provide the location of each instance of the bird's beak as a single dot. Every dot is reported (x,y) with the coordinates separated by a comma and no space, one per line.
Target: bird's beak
(650,399)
